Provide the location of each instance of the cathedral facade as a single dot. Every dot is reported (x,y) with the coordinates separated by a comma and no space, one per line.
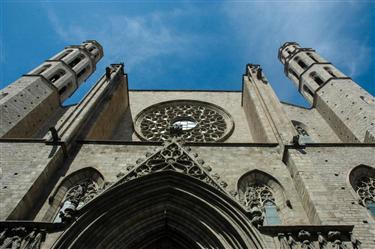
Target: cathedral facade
(186,169)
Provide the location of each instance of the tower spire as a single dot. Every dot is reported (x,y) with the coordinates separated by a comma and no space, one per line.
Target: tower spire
(32,99)
(346,107)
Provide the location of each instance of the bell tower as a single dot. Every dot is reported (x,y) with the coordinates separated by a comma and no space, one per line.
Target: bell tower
(345,106)
(32,99)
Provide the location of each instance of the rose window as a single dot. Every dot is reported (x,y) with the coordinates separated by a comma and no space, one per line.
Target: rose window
(195,121)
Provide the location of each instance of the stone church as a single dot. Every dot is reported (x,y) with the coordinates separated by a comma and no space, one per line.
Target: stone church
(144,169)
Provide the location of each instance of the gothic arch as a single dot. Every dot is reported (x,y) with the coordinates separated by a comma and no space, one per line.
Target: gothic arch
(362,181)
(57,197)
(268,184)
(161,207)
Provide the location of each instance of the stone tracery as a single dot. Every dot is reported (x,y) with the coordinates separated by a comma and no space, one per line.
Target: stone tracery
(174,157)
(211,123)
(258,195)
(21,238)
(366,190)
(258,198)
(362,179)
(78,196)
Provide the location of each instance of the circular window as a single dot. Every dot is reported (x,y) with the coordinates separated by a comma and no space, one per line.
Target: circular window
(198,121)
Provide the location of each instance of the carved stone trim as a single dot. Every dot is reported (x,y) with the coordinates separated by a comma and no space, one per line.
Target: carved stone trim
(78,196)
(174,157)
(365,188)
(21,238)
(313,237)
(255,198)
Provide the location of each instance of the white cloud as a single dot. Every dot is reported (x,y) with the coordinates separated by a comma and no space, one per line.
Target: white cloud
(132,39)
(324,26)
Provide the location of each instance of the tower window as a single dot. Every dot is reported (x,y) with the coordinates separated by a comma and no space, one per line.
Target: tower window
(300,62)
(308,91)
(57,75)
(329,70)
(82,72)
(291,71)
(287,52)
(43,69)
(62,90)
(316,78)
(311,56)
(65,54)
(77,60)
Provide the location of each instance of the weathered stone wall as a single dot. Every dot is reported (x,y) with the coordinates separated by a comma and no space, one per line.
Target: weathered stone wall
(111,111)
(347,108)
(321,177)
(255,114)
(27,169)
(25,106)
(317,127)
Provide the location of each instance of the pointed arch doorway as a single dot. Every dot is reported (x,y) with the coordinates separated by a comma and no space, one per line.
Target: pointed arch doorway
(163,210)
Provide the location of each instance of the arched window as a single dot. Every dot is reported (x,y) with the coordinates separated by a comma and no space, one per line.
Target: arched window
(263,197)
(316,78)
(82,72)
(76,60)
(366,192)
(66,52)
(291,71)
(77,196)
(302,131)
(57,75)
(329,70)
(43,68)
(300,62)
(308,91)
(74,191)
(312,56)
(259,197)
(362,179)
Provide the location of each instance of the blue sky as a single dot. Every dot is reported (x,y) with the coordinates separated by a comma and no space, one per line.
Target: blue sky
(190,44)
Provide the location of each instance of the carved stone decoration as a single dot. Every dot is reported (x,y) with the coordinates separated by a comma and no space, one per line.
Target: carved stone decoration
(317,240)
(21,238)
(255,197)
(205,122)
(365,188)
(76,197)
(173,157)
